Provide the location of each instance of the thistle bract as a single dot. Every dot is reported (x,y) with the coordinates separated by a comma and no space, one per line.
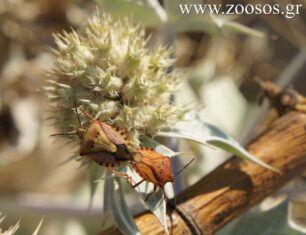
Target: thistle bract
(109,70)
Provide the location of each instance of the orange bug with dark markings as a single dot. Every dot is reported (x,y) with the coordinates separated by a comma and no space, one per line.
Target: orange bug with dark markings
(103,143)
(153,167)
(109,147)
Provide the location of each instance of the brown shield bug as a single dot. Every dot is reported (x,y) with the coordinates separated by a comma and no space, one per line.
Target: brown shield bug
(153,167)
(102,143)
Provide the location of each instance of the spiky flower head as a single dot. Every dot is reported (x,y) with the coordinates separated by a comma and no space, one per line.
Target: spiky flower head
(110,71)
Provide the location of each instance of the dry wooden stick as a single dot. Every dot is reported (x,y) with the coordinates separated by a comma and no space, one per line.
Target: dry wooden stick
(237,185)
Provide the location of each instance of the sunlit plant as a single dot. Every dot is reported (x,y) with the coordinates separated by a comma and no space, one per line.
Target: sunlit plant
(108,69)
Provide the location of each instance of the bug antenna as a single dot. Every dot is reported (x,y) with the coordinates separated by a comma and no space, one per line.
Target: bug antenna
(184,167)
(87,114)
(77,113)
(68,133)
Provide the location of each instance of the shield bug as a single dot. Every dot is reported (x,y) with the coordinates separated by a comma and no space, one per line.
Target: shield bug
(102,143)
(153,167)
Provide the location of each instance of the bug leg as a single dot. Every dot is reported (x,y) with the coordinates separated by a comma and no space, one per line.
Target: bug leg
(137,184)
(87,114)
(125,176)
(150,194)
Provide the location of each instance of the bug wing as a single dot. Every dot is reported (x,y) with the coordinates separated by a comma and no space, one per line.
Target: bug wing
(95,140)
(119,140)
(112,134)
(154,167)
(123,153)
(103,158)
(145,172)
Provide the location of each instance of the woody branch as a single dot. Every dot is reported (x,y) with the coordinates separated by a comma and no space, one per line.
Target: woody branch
(237,185)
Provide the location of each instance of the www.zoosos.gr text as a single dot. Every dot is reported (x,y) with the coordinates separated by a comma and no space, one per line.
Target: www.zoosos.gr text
(290,11)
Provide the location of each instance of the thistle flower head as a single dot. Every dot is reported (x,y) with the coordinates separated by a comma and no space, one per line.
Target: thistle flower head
(110,71)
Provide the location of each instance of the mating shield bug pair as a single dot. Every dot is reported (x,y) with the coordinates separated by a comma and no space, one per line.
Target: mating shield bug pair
(109,147)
